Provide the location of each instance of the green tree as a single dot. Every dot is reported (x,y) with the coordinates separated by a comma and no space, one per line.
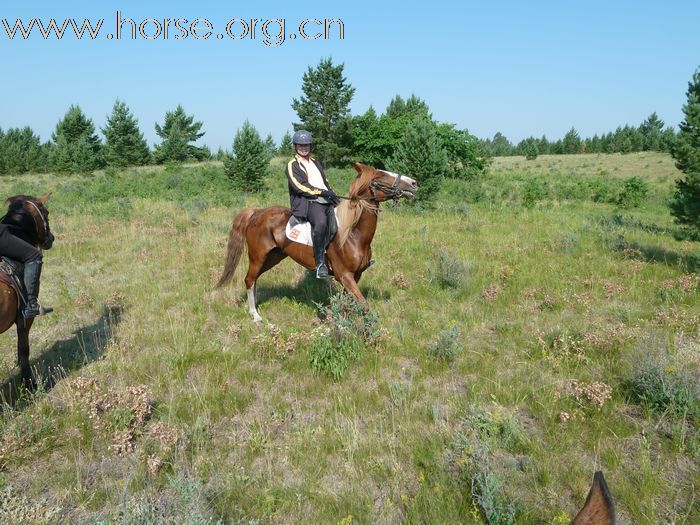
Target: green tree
(124,142)
(21,151)
(464,153)
(286,148)
(685,203)
(177,132)
(324,109)
(500,146)
(270,145)
(652,132)
(420,155)
(413,105)
(571,143)
(528,147)
(77,149)
(248,164)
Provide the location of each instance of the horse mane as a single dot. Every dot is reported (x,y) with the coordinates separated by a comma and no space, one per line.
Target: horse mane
(17,216)
(350,211)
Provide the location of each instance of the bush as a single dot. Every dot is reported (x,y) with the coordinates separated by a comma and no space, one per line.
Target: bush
(634,191)
(446,346)
(448,270)
(533,191)
(659,387)
(331,352)
(348,330)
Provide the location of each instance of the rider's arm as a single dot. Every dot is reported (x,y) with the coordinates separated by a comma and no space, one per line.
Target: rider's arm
(299,183)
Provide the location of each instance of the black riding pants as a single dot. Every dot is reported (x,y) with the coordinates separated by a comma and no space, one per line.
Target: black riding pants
(318,216)
(15,248)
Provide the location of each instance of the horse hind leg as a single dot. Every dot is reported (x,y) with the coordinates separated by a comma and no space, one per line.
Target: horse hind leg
(255,270)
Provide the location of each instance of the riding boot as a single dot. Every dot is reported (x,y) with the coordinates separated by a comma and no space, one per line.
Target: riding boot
(320,255)
(32,274)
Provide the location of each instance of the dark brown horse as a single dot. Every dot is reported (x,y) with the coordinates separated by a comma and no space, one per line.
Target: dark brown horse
(37,226)
(262,230)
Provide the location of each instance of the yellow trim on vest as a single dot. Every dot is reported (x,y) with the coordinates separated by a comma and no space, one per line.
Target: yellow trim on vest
(307,189)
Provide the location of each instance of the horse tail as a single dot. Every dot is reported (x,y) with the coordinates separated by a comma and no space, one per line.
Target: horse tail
(236,245)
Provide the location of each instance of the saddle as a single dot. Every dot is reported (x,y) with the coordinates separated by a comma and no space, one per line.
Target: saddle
(12,274)
(299,230)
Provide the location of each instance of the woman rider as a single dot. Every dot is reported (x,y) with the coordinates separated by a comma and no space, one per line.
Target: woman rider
(16,244)
(311,197)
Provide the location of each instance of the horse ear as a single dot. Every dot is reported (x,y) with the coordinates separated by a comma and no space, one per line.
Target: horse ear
(599,508)
(43,198)
(359,167)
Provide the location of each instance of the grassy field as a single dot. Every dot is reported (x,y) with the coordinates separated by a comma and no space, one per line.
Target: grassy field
(532,331)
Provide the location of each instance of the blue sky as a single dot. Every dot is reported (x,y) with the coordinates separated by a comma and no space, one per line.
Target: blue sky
(522,68)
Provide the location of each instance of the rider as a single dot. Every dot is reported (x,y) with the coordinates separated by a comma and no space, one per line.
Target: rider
(15,244)
(311,197)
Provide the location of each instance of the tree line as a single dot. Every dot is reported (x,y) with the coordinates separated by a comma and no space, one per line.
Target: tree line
(404,138)
(650,135)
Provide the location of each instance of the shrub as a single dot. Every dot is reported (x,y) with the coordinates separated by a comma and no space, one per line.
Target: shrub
(448,270)
(446,346)
(634,191)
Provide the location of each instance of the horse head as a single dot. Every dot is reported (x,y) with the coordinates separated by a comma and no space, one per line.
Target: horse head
(384,185)
(31,214)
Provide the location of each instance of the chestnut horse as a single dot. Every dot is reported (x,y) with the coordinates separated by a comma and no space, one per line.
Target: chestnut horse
(349,253)
(38,230)
(599,508)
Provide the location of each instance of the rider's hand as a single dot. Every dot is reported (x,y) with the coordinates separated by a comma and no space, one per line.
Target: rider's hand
(330,196)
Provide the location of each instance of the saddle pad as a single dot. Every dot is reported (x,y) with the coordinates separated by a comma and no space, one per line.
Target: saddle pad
(300,231)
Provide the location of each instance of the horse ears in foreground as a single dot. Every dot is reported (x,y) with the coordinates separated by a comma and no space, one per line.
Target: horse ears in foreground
(359,167)
(43,198)
(599,508)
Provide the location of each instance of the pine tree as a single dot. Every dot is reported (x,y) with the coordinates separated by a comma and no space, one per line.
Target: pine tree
(270,146)
(124,142)
(286,148)
(685,204)
(652,131)
(413,105)
(529,148)
(421,156)
(571,143)
(77,148)
(501,146)
(21,151)
(324,110)
(178,130)
(247,166)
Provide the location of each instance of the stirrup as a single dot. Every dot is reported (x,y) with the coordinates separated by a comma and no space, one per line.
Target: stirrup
(31,313)
(322,271)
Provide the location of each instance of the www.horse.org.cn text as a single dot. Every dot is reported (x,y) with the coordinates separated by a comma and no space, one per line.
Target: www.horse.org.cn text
(269,31)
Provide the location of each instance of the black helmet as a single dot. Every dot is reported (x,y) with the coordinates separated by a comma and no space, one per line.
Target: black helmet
(302,137)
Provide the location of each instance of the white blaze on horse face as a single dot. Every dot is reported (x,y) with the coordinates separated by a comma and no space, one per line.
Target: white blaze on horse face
(403,177)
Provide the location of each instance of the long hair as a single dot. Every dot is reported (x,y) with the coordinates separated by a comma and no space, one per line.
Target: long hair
(350,211)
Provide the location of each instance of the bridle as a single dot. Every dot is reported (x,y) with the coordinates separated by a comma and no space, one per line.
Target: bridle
(43,220)
(392,190)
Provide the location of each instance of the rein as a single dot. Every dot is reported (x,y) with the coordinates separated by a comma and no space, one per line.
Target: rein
(43,221)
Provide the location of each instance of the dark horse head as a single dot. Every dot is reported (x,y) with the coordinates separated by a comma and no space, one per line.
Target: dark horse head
(30,214)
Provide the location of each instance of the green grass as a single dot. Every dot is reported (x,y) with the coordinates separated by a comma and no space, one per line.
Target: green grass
(463,408)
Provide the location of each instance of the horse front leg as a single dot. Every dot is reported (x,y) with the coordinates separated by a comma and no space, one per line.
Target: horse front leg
(23,327)
(347,279)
